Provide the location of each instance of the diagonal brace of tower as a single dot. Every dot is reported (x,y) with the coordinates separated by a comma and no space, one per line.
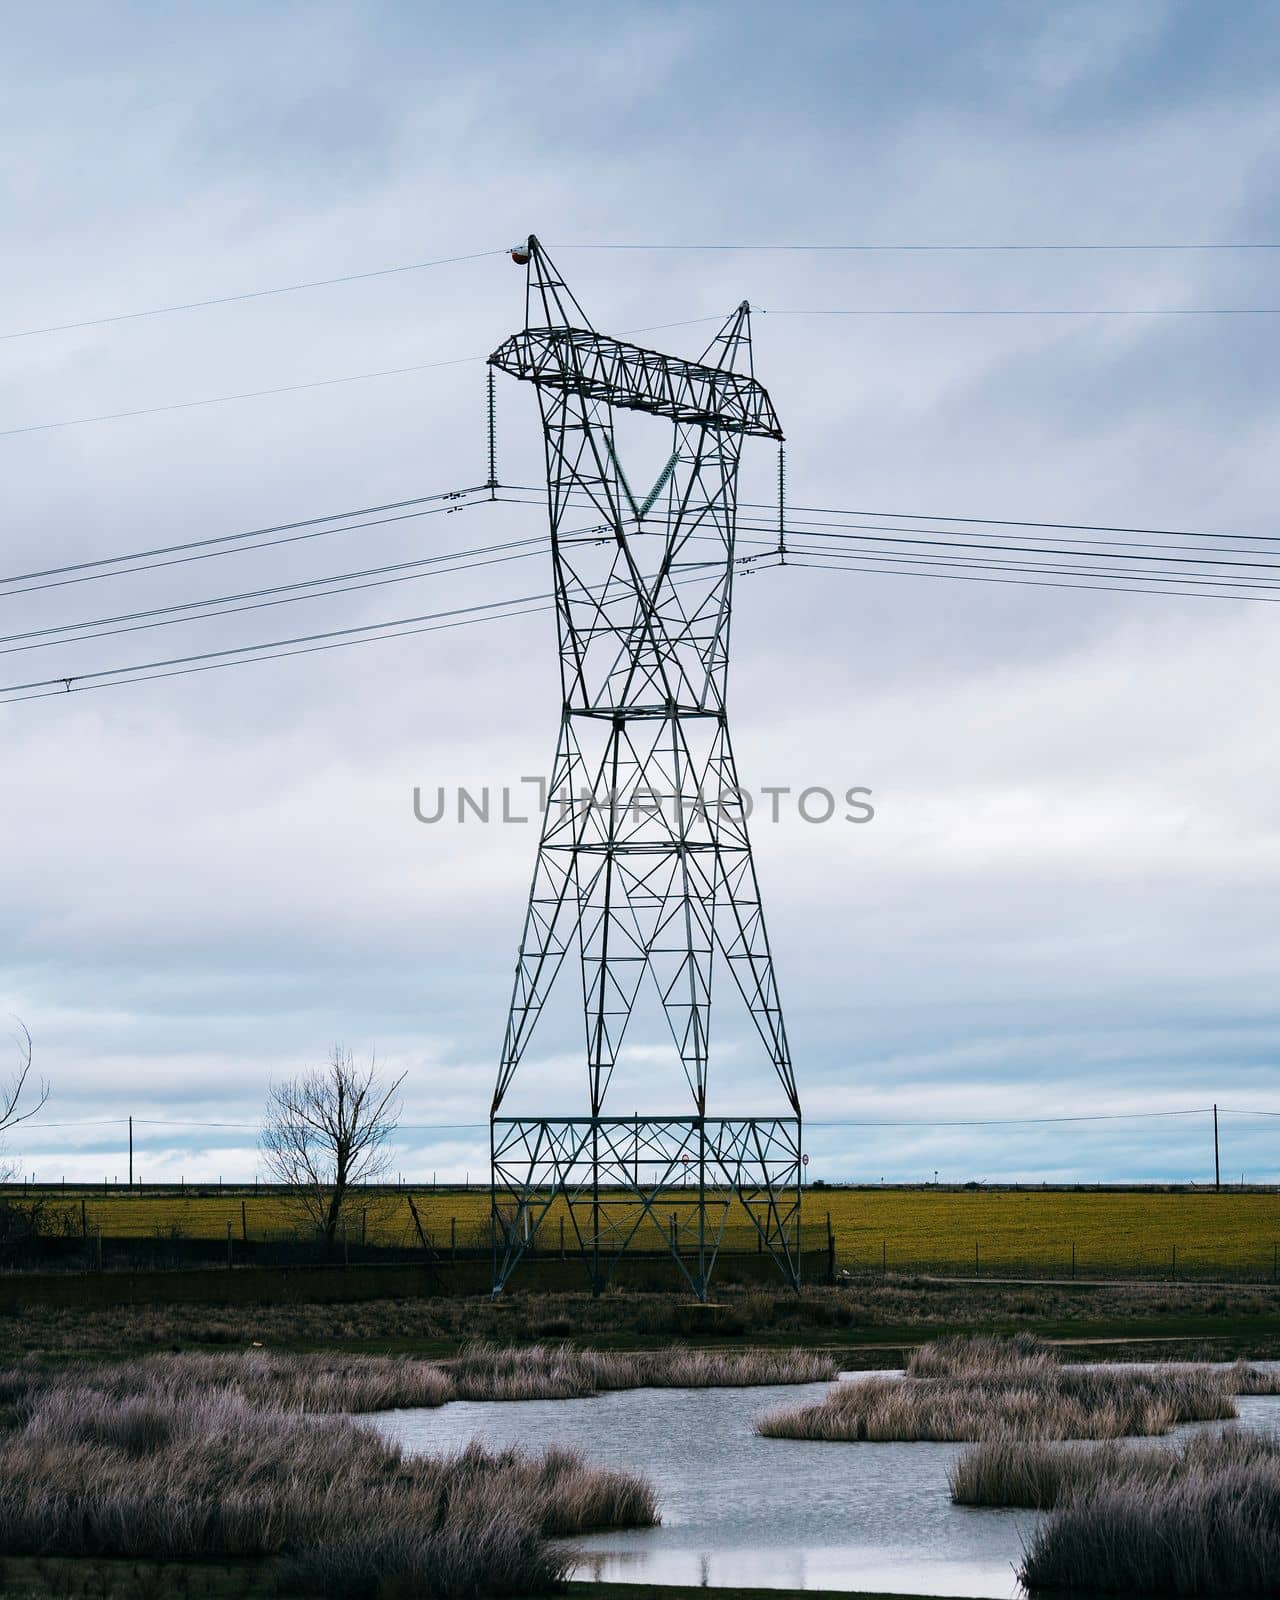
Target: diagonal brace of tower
(644,864)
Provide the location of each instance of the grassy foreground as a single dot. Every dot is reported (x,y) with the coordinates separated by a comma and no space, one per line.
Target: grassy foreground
(187,1462)
(868,1324)
(1202,1518)
(320,1385)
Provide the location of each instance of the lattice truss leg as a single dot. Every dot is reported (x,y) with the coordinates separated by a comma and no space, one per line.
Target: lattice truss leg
(602,1187)
(644,863)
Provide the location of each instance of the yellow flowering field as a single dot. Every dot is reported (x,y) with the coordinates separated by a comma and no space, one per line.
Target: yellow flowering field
(1195,1231)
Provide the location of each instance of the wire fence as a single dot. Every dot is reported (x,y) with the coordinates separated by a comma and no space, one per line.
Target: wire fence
(1067,1262)
(1032,1235)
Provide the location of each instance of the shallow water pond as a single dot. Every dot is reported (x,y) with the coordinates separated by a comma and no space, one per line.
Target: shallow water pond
(775,1513)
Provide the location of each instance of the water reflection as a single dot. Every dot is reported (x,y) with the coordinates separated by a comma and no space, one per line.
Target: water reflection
(768,1513)
(737,1509)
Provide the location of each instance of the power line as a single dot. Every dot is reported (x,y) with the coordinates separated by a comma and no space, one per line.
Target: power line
(992,522)
(1007,529)
(1030,583)
(340,583)
(289,594)
(922,558)
(838,1122)
(1016,1122)
(297,388)
(464,502)
(1010,311)
(929,538)
(1199,579)
(72,633)
(210,660)
(228,399)
(249,294)
(458,361)
(342,523)
(932,248)
(480,255)
(186,1122)
(307,644)
(251,533)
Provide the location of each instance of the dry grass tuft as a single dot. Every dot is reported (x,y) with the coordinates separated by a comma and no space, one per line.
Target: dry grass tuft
(711,1369)
(1023,1356)
(307,1383)
(1245,1379)
(1203,1519)
(1041,1476)
(541,1372)
(1000,1389)
(167,1472)
(333,1383)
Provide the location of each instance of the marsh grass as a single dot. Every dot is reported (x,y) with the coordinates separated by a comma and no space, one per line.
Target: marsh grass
(330,1383)
(165,1472)
(306,1383)
(252,1455)
(541,1372)
(1200,1519)
(1246,1379)
(973,1389)
(1022,1356)
(1041,1476)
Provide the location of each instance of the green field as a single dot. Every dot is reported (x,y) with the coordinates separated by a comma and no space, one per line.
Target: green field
(949,1230)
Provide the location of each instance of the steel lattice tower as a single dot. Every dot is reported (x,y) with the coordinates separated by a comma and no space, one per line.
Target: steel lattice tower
(644,863)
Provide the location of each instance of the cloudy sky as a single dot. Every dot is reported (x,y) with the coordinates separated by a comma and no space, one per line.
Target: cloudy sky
(1066,902)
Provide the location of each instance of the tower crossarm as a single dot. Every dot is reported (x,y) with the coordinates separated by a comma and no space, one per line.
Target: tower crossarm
(583,362)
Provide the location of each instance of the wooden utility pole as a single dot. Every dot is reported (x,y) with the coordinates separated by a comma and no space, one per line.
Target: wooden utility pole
(1217,1168)
(131,1152)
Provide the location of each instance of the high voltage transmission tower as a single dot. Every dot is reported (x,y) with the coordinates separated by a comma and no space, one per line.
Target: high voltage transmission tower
(644,865)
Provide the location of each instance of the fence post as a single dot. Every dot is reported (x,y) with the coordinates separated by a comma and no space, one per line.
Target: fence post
(453,1238)
(975,1258)
(1175,1262)
(99,1231)
(84,1220)
(244,1223)
(675,1249)
(831,1251)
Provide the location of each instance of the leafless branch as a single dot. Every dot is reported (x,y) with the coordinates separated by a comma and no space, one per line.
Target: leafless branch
(326,1131)
(12,1089)
(16,1094)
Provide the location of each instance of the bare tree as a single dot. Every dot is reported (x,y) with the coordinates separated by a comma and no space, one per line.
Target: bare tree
(20,1097)
(327,1130)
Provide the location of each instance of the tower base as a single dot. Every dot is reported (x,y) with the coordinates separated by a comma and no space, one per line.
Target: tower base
(600,1188)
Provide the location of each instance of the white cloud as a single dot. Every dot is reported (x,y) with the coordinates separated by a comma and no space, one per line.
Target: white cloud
(1071,875)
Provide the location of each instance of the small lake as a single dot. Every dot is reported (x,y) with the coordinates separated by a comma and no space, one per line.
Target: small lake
(769,1513)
